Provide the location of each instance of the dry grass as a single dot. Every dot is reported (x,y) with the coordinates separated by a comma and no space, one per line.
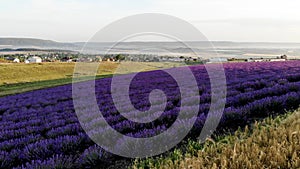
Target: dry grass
(269,146)
(4,61)
(20,73)
(12,73)
(18,78)
(273,143)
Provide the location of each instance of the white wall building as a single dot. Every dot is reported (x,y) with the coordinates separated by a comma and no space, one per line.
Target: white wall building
(255,60)
(16,60)
(34,59)
(217,60)
(277,60)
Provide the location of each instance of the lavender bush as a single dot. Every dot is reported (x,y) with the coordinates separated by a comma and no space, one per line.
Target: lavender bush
(39,129)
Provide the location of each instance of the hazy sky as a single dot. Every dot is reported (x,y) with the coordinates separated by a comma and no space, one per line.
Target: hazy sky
(78,20)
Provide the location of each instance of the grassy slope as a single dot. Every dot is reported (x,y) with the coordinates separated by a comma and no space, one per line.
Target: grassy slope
(10,89)
(17,78)
(272,143)
(22,73)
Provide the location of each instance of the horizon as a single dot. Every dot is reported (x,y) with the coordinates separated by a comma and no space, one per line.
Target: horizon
(145,41)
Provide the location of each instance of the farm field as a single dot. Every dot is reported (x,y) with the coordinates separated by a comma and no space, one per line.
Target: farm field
(18,78)
(39,129)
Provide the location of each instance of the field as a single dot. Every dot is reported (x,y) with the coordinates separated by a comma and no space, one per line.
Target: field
(39,129)
(17,78)
(272,143)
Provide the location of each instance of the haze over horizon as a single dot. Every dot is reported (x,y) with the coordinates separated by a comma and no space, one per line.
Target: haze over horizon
(77,20)
(141,40)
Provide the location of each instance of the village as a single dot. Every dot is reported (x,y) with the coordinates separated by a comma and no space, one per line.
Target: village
(69,56)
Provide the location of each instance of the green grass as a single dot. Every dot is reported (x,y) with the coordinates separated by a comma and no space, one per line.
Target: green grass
(271,143)
(10,89)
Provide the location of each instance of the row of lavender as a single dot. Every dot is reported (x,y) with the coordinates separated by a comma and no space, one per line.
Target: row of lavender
(40,128)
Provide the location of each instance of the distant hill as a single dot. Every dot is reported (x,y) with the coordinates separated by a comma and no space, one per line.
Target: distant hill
(34,49)
(32,43)
(204,48)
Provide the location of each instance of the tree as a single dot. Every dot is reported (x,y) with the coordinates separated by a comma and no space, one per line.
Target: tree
(120,57)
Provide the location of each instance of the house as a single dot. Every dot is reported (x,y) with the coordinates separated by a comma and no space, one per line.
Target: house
(176,59)
(34,59)
(9,58)
(217,60)
(84,60)
(272,59)
(284,57)
(277,60)
(99,58)
(108,59)
(255,60)
(16,60)
(66,59)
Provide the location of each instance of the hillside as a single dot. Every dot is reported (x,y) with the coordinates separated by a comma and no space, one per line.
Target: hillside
(30,42)
(17,78)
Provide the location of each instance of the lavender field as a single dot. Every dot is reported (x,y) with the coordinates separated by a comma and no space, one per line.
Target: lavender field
(40,129)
